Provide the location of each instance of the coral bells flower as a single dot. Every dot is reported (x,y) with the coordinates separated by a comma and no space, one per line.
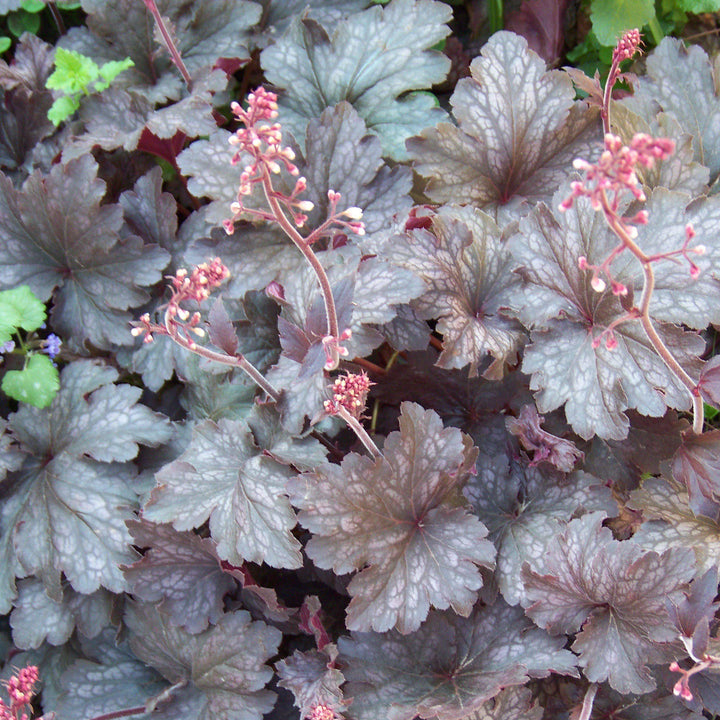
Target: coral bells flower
(615,170)
(322,712)
(20,690)
(350,393)
(627,46)
(201,281)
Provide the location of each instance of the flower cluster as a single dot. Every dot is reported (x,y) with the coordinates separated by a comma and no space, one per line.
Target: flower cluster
(262,141)
(627,46)
(51,345)
(614,172)
(322,712)
(20,690)
(349,393)
(604,184)
(195,286)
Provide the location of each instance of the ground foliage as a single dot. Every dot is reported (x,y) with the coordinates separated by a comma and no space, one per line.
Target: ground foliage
(541,525)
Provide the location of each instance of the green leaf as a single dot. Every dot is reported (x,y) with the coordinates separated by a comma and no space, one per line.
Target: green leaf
(110,70)
(21,22)
(62,108)
(33,6)
(73,71)
(610,18)
(36,384)
(698,6)
(19,308)
(5,43)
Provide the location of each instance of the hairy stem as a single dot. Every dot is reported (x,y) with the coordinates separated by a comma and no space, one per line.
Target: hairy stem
(643,309)
(356,426)
(309,254)
(169,42)
(238,361)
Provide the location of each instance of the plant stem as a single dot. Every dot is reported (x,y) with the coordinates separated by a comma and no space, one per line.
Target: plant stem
(588,701)
(495,15)
(360,431)
(57,17)
(169,42)
(311,257)
(644,313)
(238,361)
(655,30)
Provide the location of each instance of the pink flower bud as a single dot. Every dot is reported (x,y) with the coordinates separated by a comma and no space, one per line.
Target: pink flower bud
(597,283)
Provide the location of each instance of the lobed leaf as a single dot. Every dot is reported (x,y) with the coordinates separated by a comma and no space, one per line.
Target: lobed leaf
(399,521)
(450,667)
(616,593)
(224,477)
(518,130)
(375,60)
(466,269)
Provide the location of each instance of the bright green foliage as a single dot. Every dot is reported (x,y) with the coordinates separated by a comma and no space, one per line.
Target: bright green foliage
(5,43)
(77,75)
(33,6)
(698,6)
(19,308)
(36,384)
(610,18)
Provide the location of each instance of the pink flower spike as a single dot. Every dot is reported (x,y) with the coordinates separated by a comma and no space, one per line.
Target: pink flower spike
(627,46)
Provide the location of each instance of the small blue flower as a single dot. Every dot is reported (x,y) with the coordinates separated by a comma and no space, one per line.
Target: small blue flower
(7,347)
(51,345)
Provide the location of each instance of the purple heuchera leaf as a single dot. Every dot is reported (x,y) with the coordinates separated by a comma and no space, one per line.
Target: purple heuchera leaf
(225,478)
(709,383)
(681,82)
(224,667)
(56,236)
(518,130)
(67,513)
(670,523)
(450,666)
(181,572)
(616,593)
(557,301)
(220,329)
(397,519)
(545,447)
(205,32)
(374,60)
(466,269)
(542,24)
(314,680)
(524,508)
(696,463)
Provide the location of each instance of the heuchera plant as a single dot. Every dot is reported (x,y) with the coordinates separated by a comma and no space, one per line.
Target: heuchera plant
(366,409)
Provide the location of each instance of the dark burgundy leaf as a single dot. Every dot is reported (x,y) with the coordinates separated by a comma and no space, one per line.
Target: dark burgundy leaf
(220,329)
(697,464)
(542,24)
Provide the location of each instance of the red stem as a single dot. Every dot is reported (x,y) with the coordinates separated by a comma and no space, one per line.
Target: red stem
(169,42)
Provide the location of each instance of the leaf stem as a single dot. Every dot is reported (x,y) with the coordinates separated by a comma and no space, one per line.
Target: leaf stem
(169,42)
(303,245)
(643,309)
(588,702)
(360,431)
(495,15)
(655,30)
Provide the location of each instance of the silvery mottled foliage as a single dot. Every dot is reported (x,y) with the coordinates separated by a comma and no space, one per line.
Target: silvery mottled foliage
(374,60)
(518,130)
(450,666)
(614,594)
(223,668)
(56,237)
(70,499)
(397,520)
